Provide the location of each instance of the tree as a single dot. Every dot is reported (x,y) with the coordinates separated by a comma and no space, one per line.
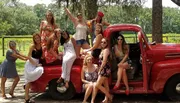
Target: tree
(157,21)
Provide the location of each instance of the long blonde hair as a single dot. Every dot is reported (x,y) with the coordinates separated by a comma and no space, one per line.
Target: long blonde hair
(85,59)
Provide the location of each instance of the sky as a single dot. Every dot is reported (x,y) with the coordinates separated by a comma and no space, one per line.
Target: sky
(165,3)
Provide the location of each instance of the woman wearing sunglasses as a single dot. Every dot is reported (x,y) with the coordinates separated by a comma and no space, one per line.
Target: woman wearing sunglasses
(121,50)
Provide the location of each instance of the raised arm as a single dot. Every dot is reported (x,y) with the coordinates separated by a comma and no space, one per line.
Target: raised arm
(106,23)
(72,18)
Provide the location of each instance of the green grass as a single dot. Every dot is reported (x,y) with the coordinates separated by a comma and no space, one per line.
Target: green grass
(23,46)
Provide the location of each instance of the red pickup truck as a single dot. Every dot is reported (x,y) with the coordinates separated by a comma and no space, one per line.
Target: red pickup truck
(156,67)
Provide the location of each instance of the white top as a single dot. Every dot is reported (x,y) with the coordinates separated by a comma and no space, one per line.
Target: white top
(69,48)
(80,32)
(94,41)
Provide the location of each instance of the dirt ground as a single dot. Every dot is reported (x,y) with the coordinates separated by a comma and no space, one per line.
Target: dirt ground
(46,98)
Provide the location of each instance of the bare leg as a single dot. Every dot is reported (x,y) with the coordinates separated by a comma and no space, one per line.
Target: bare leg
(27,86)
(119,75)
(95,90)
(67,84)
(103,89)
(85,46)
(16,80)
(106,85)
(125,80)
(78,47)
(89,88)
(3,81)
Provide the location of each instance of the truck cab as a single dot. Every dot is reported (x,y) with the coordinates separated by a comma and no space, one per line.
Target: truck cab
(156,67)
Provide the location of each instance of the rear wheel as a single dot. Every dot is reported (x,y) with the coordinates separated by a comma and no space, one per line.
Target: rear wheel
(172,88)
(55,94)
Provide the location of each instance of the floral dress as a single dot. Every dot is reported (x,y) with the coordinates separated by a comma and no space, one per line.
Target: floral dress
(47,30)
(106,71)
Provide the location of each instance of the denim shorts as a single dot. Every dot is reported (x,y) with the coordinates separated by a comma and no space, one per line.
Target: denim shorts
(81,42)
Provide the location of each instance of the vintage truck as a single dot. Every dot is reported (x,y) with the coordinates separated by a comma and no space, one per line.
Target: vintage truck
(156,67)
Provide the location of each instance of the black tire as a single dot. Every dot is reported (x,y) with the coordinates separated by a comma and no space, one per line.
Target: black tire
(170,89)
(70,92)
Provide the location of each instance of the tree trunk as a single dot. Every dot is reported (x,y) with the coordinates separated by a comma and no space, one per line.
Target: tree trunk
(90,12)
(91,8)
(157,21)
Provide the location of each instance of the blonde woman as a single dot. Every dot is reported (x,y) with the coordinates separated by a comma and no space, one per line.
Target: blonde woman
(47,28)
(81,31)
(89,75)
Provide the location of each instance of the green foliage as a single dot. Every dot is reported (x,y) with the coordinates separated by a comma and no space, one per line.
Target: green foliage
(19,19)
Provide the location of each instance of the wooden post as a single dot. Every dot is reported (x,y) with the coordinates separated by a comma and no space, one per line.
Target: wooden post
(2,46)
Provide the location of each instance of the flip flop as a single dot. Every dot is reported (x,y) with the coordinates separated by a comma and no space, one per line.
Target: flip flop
(12,96)
(4,97)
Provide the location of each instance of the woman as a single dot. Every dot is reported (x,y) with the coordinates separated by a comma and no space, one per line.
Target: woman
(47,28)
(69,55)
(104,73)
(51,52)
(89,75)
(33,70)
(122,51)
(8,68)
(96,49)
(98,19)
(81,31)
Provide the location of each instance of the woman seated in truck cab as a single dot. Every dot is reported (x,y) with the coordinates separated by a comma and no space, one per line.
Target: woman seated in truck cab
(121,51)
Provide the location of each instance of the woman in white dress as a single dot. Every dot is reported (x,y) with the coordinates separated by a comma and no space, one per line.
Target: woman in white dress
(69,55)
(81,31)
(33,70)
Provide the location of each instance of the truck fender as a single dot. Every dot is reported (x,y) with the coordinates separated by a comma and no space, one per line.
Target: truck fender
(161,72)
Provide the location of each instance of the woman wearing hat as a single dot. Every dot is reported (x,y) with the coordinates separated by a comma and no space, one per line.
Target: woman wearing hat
(81,31)
(8,68)
(97,19)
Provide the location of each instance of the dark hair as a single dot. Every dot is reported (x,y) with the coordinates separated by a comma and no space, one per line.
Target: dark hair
(123,42)
(63,40)
(100,21)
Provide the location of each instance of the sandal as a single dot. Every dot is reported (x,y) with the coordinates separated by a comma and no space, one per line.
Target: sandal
(29,101)
(4,97)
(116,87)
(60,80)
(111,99)
(12,96)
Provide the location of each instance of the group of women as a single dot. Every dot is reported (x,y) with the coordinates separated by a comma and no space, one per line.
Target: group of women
(45,46)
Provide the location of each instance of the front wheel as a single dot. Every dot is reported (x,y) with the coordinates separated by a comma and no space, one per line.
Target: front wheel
(55,94)
(172,89)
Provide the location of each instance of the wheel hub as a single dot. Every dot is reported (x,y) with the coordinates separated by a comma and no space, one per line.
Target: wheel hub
(178,88)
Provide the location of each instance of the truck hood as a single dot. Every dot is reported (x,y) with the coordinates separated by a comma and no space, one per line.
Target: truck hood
(166,46)
(164,51)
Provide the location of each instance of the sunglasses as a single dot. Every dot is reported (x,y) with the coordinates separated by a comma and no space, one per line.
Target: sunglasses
(119,39)
(103,42)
